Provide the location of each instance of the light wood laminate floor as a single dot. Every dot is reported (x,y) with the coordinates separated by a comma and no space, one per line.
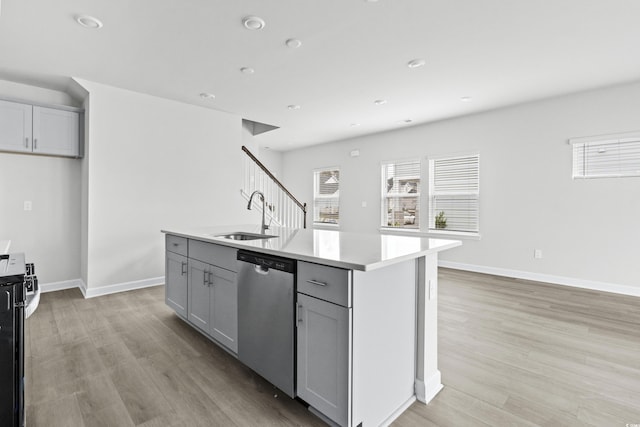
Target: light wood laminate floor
(511,352)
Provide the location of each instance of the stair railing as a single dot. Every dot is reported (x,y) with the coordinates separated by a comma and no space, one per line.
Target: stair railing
(283,208)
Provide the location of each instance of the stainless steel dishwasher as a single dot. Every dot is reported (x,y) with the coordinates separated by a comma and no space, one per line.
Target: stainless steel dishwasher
(266,317)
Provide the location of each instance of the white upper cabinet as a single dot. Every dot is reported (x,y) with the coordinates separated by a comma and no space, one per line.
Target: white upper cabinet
(40,130)
(55,132)
(15,127)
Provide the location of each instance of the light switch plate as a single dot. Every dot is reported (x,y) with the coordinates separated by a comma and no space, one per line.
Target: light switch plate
(27,205)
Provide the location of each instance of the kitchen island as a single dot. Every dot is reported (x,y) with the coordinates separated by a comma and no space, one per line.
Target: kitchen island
(365,318)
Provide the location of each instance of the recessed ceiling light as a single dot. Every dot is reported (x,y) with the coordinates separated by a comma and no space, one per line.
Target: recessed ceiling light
(354,125)
(89,22)
(465,99)
(293,107)
(247,70)
(404,122)
(380,101)
(416,63)
(205,95)
(293,43)
(253,23)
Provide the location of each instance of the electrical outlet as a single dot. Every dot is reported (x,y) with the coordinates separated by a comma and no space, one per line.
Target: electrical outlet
(364,204)
(27,205)
(537,254)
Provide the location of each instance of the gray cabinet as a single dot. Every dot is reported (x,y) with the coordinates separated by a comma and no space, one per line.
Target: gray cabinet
(15,127)
(213,292)
(324,357)
(199,291)
(56,132)
(224,307)
(324,340)
(176,282)
(25,128)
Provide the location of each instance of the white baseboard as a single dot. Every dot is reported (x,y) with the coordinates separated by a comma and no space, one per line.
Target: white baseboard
(103,290)
(428,389)
(122,287)
(547,278)
(59,286)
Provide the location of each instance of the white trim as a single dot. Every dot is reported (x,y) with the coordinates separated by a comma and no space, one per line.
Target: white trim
(428,389)
(633,135)
(546,278)
(419,233)
(122,287)
(395,414)
(59,286)
(325,226)
(472,235)
(102,290)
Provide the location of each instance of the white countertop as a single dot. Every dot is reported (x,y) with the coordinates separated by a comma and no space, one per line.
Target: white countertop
(355,251)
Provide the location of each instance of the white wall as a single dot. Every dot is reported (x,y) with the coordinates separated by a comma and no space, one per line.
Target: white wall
(588,230)
(49,234)
(151,164)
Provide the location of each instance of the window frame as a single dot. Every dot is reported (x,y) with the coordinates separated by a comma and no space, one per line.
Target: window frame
(430,225)
(580,147)
(384,196)
(317,196)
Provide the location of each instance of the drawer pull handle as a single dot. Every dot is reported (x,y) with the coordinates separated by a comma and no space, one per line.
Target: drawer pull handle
(175,244)
(315,282)
(298,314)
(184,268)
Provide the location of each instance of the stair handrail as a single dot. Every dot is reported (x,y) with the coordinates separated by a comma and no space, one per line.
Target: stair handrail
(302,206)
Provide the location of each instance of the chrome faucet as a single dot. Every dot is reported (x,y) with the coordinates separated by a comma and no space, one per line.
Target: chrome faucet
(263,227)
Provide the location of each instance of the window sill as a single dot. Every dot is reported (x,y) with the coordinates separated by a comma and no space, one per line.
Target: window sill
(431,233)
(327,226)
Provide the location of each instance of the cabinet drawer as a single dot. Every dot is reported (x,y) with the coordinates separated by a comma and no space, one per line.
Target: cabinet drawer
(327,283)
(218,255)
(177,244)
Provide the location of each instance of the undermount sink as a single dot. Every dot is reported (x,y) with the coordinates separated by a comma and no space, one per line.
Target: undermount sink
(241,235)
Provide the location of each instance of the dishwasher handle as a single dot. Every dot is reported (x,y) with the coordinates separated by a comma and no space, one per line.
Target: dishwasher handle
(261,269)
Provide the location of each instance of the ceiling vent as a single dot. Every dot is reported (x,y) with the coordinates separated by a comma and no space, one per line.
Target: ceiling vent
(256,128)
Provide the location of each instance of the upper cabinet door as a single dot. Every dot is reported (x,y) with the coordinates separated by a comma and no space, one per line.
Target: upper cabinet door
(56,132)
(15,126)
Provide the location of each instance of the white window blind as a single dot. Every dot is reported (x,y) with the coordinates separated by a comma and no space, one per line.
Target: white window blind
(326,196)
(401,194)
(606,156)
(454,193)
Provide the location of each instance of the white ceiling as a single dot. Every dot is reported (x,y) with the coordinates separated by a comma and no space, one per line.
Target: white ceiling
(498,52)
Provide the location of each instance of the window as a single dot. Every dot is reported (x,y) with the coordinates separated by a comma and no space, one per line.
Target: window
(606,156)
(454,190)
(326,196)
(401,194)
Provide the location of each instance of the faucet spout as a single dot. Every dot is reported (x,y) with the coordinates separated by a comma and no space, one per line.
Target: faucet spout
(263,226)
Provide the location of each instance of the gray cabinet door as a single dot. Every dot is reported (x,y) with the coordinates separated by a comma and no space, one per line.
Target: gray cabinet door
(224,307)
(199,291)
(324,352)
(56,132)
(15,126)
(175,287)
